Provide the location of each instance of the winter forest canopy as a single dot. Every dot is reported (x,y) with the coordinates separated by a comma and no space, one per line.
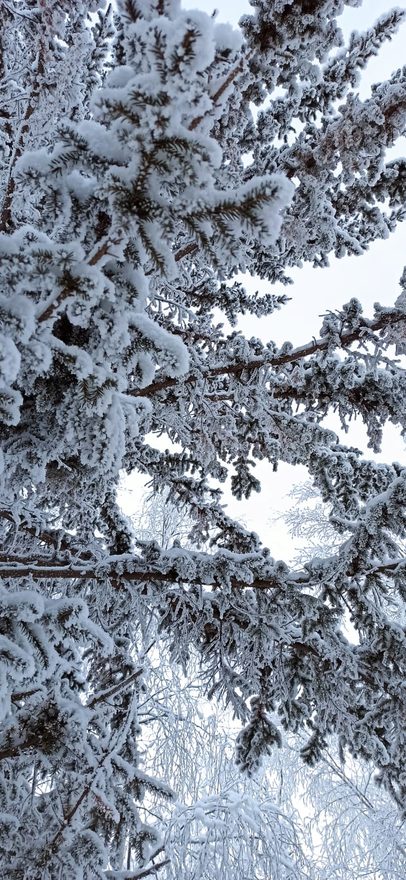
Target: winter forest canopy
(169,694)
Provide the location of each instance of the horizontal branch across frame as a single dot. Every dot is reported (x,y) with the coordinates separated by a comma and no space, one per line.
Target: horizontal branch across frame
(345,339)
(44,569)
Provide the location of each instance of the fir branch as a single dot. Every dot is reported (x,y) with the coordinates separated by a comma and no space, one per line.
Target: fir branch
(16,12)
(345,339)
(48,311)
(100,696)
(136,875)
(53,539)
(44,569)
(220,91)
(6,210)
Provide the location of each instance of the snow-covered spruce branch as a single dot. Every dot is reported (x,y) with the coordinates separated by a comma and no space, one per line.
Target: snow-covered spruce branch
(139,184)
(53,538)
(24,127)
(387,319)
(137,875)
(217,94)
(128,568)
(100,253)
(103,250)
(99,697)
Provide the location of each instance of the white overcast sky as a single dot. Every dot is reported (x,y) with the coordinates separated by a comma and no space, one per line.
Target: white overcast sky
(374,277)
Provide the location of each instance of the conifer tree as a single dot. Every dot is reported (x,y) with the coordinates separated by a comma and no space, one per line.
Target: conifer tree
(128,209)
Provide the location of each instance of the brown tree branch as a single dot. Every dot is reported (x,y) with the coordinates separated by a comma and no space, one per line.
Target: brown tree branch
(67,291)
(52,539)
(43,570)
(220,91)
(16,750)
(40,569)
(115,689)
(385,320)
(6,211)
